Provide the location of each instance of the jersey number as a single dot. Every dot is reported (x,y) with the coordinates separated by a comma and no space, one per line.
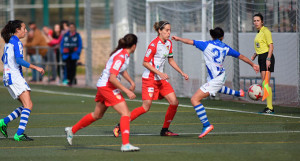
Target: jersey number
(217,58)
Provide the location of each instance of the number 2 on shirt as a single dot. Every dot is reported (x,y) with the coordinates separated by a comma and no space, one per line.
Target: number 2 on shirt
(217,58)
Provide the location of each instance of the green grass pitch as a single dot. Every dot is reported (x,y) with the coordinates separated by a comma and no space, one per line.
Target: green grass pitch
(240,133)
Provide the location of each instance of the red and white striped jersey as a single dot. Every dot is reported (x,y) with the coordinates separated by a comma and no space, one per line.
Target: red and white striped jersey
(116,64)
(157,54)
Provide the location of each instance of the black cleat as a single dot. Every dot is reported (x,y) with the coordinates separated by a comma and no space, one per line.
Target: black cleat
(267,111)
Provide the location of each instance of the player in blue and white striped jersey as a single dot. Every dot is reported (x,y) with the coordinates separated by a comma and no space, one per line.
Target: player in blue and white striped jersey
(13,77)
(214,52)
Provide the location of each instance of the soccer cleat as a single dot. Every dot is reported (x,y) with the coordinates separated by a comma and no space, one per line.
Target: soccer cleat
(128,148)
(22,137)
(206,130)
(242,93)
(69,134)
(267,111)
(167,133)
(117,130)
(3,128)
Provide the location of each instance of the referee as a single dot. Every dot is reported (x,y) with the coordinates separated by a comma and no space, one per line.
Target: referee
(263,45)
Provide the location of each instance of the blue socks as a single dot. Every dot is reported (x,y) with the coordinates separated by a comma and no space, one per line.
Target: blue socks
(23,121)
(15,114)
(201,113)
(226,90)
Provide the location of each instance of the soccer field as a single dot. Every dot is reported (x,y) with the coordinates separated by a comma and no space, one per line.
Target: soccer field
(240,133)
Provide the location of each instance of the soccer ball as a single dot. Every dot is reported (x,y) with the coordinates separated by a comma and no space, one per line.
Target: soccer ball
(255,92)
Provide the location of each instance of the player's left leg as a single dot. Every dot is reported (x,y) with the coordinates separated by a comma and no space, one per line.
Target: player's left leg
(27,103)
(170,114)
(229,91)
(200,111)
(3,122)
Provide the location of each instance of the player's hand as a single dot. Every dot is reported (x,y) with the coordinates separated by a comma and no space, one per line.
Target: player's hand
(41,70)
(130,95)
(256,68)
(175,38)
(132,87)
(163,76)
(253,56)
(186,77)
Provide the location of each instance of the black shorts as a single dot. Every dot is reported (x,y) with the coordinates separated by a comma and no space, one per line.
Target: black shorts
(262,58)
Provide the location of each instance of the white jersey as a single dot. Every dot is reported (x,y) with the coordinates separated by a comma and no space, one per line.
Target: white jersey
(116,64)
(157,54)
(214,52)
(12,71)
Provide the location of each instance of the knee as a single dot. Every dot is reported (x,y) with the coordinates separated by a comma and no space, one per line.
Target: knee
(28,105)
(146,106)
(174,102)
(195,101)
(98,116)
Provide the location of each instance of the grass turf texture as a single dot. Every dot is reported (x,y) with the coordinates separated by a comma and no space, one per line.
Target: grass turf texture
(237,135)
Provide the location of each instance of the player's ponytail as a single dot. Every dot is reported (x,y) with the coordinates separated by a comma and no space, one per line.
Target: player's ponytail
(10,29)
(126,42)
(216,33)
(160,25)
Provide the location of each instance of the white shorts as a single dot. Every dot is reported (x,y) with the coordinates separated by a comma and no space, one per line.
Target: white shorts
(213,86)
(17,88)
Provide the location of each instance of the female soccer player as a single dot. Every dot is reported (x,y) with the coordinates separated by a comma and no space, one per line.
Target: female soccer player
(214,52)
(109,94)
(13,77)
(154,80)
(263,45)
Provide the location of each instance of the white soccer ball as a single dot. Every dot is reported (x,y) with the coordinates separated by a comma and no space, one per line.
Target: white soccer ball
(255,92)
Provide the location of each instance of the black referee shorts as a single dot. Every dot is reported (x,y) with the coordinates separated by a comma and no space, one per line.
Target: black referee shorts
(262,58)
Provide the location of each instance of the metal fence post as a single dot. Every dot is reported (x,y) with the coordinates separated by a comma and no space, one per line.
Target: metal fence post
(235,42)
(88,49)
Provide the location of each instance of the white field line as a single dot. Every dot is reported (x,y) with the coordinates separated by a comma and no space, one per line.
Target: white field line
(163,103)
(211,133)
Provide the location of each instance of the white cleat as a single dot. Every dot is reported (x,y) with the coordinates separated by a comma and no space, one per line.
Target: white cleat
(69,134)
(129,148)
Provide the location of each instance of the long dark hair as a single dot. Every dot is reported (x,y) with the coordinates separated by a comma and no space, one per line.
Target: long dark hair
(10,29)
(216,33)
(126,42)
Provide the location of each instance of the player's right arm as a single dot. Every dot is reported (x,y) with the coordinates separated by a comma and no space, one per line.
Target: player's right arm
(163,76)
(114,71)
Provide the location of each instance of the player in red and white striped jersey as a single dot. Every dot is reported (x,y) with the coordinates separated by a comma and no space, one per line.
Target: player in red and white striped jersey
(155,85)
(109,92)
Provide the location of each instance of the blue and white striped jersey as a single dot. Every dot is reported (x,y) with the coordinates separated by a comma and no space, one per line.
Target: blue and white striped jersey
(215,52)
(12,70)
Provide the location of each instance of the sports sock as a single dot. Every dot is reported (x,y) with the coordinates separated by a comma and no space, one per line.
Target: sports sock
(136,113)
(125,129)
(172,109)
(23,121)
(229,91)
(201,113)
(84,122)
(269,99)
(15,114)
